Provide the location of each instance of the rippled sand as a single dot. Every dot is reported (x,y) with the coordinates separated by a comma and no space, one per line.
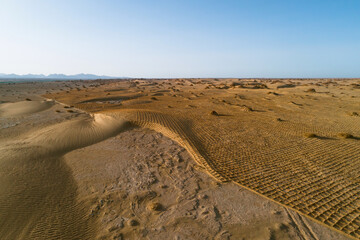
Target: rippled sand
(280,140)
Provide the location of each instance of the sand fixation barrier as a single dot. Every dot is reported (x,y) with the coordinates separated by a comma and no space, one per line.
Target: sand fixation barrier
(325,189)
(256,139)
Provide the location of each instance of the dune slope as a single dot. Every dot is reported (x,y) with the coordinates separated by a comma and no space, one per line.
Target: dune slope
(257,136)
(38,195)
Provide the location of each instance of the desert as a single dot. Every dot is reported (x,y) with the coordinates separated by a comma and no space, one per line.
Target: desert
(179,120)
(189,158)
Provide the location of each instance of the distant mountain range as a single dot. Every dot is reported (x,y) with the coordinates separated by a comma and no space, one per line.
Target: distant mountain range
(81,76)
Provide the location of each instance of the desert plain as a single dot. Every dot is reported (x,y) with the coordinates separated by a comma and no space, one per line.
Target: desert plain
(180,159)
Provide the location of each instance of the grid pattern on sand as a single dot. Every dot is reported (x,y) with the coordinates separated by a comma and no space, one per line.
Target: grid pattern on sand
(256,138)
(325,187)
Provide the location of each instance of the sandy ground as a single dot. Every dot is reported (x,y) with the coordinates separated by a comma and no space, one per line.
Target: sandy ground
(293,141)
(118,182)
(142,176)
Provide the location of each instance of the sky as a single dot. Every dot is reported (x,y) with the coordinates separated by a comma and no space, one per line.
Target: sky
(167,39)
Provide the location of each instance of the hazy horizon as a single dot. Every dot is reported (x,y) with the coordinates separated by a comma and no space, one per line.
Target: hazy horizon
(169,39)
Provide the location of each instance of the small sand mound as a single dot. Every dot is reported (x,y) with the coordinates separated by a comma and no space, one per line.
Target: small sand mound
(310,135)
(354,114)
(311,90)
(246,108)
(345,135)
(214,113)
(23,108)
(155,206)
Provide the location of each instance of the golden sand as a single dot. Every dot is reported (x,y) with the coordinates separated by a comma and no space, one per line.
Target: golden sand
(23,107)
(258,136)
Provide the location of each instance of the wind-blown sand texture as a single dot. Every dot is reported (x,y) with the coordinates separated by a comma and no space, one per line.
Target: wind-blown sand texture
(23,108)
(143,176)
(255,136)
(66,173)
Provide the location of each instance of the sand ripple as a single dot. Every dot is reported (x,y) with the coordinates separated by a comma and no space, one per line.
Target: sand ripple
(37,190)
(23,108)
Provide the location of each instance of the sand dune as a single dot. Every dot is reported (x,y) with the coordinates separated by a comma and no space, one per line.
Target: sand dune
(264,148)
(75,134)
(23,108)
(63,137)
(37,190)
(258,138)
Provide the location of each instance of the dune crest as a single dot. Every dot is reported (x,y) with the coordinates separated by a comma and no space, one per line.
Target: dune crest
(24,107)
(66,136)
(37,190)
(284,146)
(256,139)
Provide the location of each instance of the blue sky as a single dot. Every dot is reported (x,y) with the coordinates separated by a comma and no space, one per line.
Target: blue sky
(181,38)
